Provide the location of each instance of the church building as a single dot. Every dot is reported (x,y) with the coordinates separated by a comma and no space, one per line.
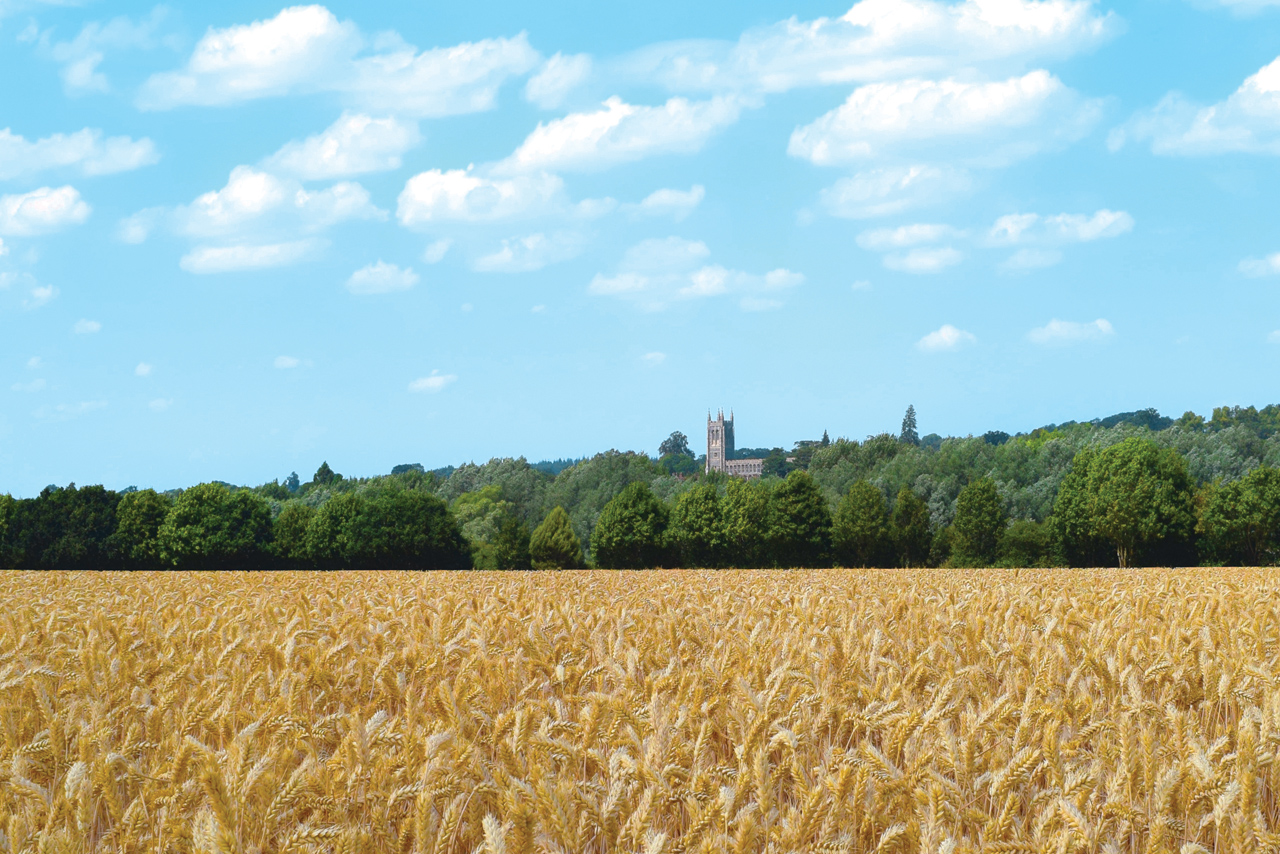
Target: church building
(720,449)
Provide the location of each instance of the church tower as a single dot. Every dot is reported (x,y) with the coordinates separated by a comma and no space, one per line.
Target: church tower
(719,441)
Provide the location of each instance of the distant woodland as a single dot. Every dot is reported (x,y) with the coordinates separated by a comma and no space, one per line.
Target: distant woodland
(1134,489)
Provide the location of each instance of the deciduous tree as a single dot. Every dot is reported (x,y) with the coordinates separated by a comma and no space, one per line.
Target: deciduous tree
(554,545)
(860,530)
(631,532)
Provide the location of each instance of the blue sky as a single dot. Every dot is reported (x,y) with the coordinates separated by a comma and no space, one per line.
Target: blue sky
(239,240)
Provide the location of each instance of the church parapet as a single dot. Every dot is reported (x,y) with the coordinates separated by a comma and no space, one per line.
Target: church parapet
(720,444)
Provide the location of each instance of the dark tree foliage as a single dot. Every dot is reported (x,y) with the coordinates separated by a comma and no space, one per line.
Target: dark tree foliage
(290,545)
(679,464)
(408,467)
(909,436)
(677,444)
(63,528)
(325,476)
(211,527)
(1024,543)
(135,543)
(1240,521)
(404,529)
(291,482)
(747,509)
(860,532)
(912,531)
(776,465)
(631,531)
(980,521)
(554,545)
(697,531)
(511,546)
(801,531)
(995,437)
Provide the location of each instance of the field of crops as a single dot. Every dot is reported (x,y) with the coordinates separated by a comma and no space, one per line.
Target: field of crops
(931,711)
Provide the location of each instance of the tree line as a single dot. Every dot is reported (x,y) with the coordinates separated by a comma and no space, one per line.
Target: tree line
(1137,488)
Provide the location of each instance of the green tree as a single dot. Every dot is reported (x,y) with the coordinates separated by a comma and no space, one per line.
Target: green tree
(801,531)
(1142,498)
(554,545)
(8,510)
(1240,520)
(979,522)
(1024,543)
(325,476)
(407,529)
(511,546)
(860,531)
(747,512)
(210,527)
(1072,533)
(290,534)
(64,529)
(909,436)
(329,540)
(631,532)
(675,444)
(912,532)
(697,532)
(136,540)
(1135,496)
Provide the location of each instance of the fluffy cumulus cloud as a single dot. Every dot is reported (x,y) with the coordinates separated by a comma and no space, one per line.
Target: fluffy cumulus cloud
(884,239)
(532,252)
(353,145)
(676,204)
(433,383)
(42,211)
(981,123)
(254,201)
(307,49)
(620,132)
(877,40)
(465,196)
(946,337)
(657,272)
(887,191)
(86,327)
(556,79)
(240,257)
(924,260)
(381,278)
(1058,332)
(85,151)
(1246,121)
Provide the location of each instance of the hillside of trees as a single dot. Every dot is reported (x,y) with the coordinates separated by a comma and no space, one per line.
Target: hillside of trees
(1136,488)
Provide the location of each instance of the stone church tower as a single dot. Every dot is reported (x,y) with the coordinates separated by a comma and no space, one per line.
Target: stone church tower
(720,449)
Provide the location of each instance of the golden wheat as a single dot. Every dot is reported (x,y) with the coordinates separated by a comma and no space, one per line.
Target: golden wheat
(659,712)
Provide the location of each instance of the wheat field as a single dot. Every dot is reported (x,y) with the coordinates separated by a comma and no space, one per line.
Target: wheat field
(828,711)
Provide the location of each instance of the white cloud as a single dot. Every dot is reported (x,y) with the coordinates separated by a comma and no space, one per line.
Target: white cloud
(228,259)
(861,285)
(284,363)
(559,76)
(306,49)
(39,295)
(1059,229)
(138,227)
(980,123)
(85,151)
(924,260)
(1247,121)
(885,192)
(86,327)
(654,358)
(885,239)
(143,370)
(1274,337)
(461,195)
(655,273)
(254,200)
(877,40)
(676,204)
(4,250)
(537,309)
(352,145)
(620,133)
(533,252)
(160,404)
(34,362)
(42,211)
(435,251)
(1257,267)
(82,56)
(433,383)
(1028,259)
(33,386)
(67,411)
(381,278)
(1069,332)
(947,337)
